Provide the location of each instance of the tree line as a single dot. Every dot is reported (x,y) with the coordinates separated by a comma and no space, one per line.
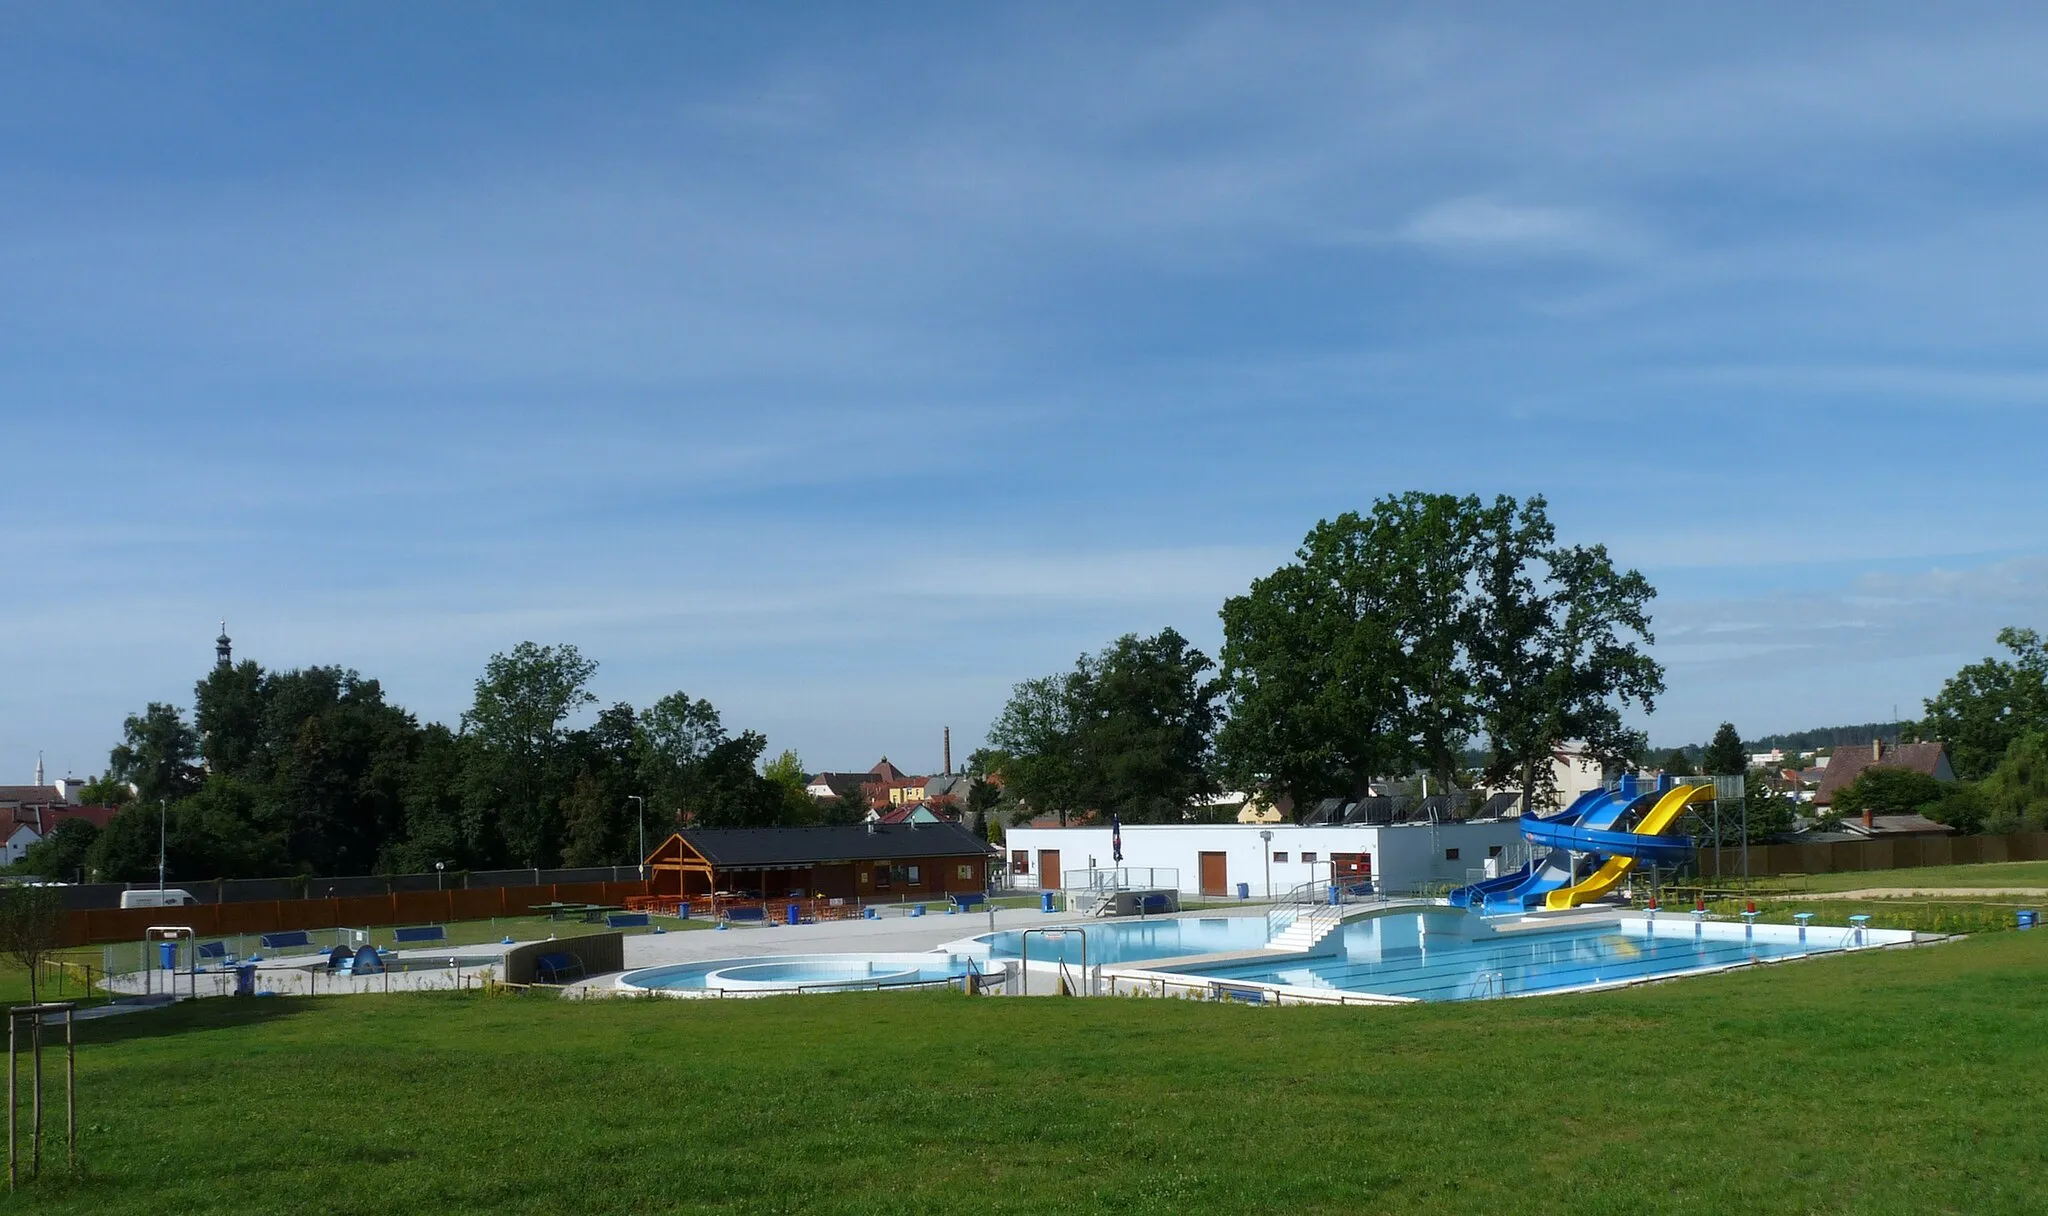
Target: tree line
(313,772)
(1392,641)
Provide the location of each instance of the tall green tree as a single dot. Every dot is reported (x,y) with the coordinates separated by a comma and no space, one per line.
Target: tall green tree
(727,789)
(517,724)
(230,708)
(337,759)
(2016,792)
(1983,708)
(1042,728)
(432,803)
(1129,731)
(1434,537)
(158,754)
(787,774)
(1725,755)
(1573,661)
(1315,670)
(676,735)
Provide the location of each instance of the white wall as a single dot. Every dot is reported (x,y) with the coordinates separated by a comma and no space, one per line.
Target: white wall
(1403,856)
(17,844)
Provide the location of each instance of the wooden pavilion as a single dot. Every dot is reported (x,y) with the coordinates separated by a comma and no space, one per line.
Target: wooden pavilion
(864,862)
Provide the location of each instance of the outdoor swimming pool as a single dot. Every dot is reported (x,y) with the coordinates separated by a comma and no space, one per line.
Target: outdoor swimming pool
(1128,941)
(1439,958)
(801,973)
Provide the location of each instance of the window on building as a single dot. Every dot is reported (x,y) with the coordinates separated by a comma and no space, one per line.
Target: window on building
(1308,859)
(1020,861)
(1279,859)
(1450,854)
(1493,850)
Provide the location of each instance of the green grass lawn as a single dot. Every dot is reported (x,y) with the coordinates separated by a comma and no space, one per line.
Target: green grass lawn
(1899,1081)
(1989,874)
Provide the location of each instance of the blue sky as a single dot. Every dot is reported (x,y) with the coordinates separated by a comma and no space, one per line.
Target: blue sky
(848,365)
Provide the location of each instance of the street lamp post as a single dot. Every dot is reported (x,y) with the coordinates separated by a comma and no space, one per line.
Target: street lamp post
(1266,847)
(162,817)
(640,809)
(438,867)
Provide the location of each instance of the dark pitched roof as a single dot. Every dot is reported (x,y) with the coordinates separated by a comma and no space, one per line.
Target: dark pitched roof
(1848,763)
(32,795)
(741,848)
(842,784)
(886,770)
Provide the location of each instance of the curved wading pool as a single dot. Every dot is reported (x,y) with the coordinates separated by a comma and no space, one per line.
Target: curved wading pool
(785,973)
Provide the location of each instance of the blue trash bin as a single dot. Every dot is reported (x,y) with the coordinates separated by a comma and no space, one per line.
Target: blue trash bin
(1045,901)
(2027,918)
(1244,890)
(245,980)
(1336,895)
(795,915)
(167,955)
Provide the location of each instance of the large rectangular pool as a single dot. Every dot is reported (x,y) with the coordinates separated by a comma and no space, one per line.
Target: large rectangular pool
(1437,958)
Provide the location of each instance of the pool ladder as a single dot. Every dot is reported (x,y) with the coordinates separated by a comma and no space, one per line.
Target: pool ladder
(1487,985)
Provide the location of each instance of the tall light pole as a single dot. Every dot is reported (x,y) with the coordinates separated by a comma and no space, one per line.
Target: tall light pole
(640,807)
(162,817)
(1266,847)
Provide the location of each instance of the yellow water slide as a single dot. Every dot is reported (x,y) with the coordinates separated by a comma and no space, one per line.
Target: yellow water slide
(1656,823)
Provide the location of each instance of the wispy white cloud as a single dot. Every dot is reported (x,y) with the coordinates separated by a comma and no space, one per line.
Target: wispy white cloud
(1481,224)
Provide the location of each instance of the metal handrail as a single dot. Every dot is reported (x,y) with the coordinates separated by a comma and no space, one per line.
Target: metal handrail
(1024,956)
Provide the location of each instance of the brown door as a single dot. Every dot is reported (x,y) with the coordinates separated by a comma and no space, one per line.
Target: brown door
(1049,869)
(1215,874)
(1352,867)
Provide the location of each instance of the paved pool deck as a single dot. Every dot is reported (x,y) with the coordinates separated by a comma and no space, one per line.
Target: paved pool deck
(306,975)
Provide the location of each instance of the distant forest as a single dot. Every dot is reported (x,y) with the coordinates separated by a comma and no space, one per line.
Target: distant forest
(1791,740)
(1829,736)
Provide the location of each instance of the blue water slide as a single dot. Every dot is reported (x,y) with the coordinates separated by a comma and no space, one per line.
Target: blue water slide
(1595,832)
(1539,878)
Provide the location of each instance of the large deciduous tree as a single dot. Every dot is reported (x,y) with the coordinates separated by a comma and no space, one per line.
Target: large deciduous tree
(1314,670)
(157,754)
(1128,731)
(1397,635)
(1575,660)
(1042,727)
(517,726)
(1983,708)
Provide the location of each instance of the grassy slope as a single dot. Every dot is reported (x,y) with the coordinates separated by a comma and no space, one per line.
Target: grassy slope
(1908,1081)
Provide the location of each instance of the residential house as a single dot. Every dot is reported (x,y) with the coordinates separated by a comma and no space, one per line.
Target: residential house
(1848,763)
(28,813)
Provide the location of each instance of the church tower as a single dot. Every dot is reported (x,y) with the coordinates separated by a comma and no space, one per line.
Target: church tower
(222,648)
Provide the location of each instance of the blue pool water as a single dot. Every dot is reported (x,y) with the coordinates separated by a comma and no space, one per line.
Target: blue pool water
(807,972)
(1395,956)
(1135,941)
